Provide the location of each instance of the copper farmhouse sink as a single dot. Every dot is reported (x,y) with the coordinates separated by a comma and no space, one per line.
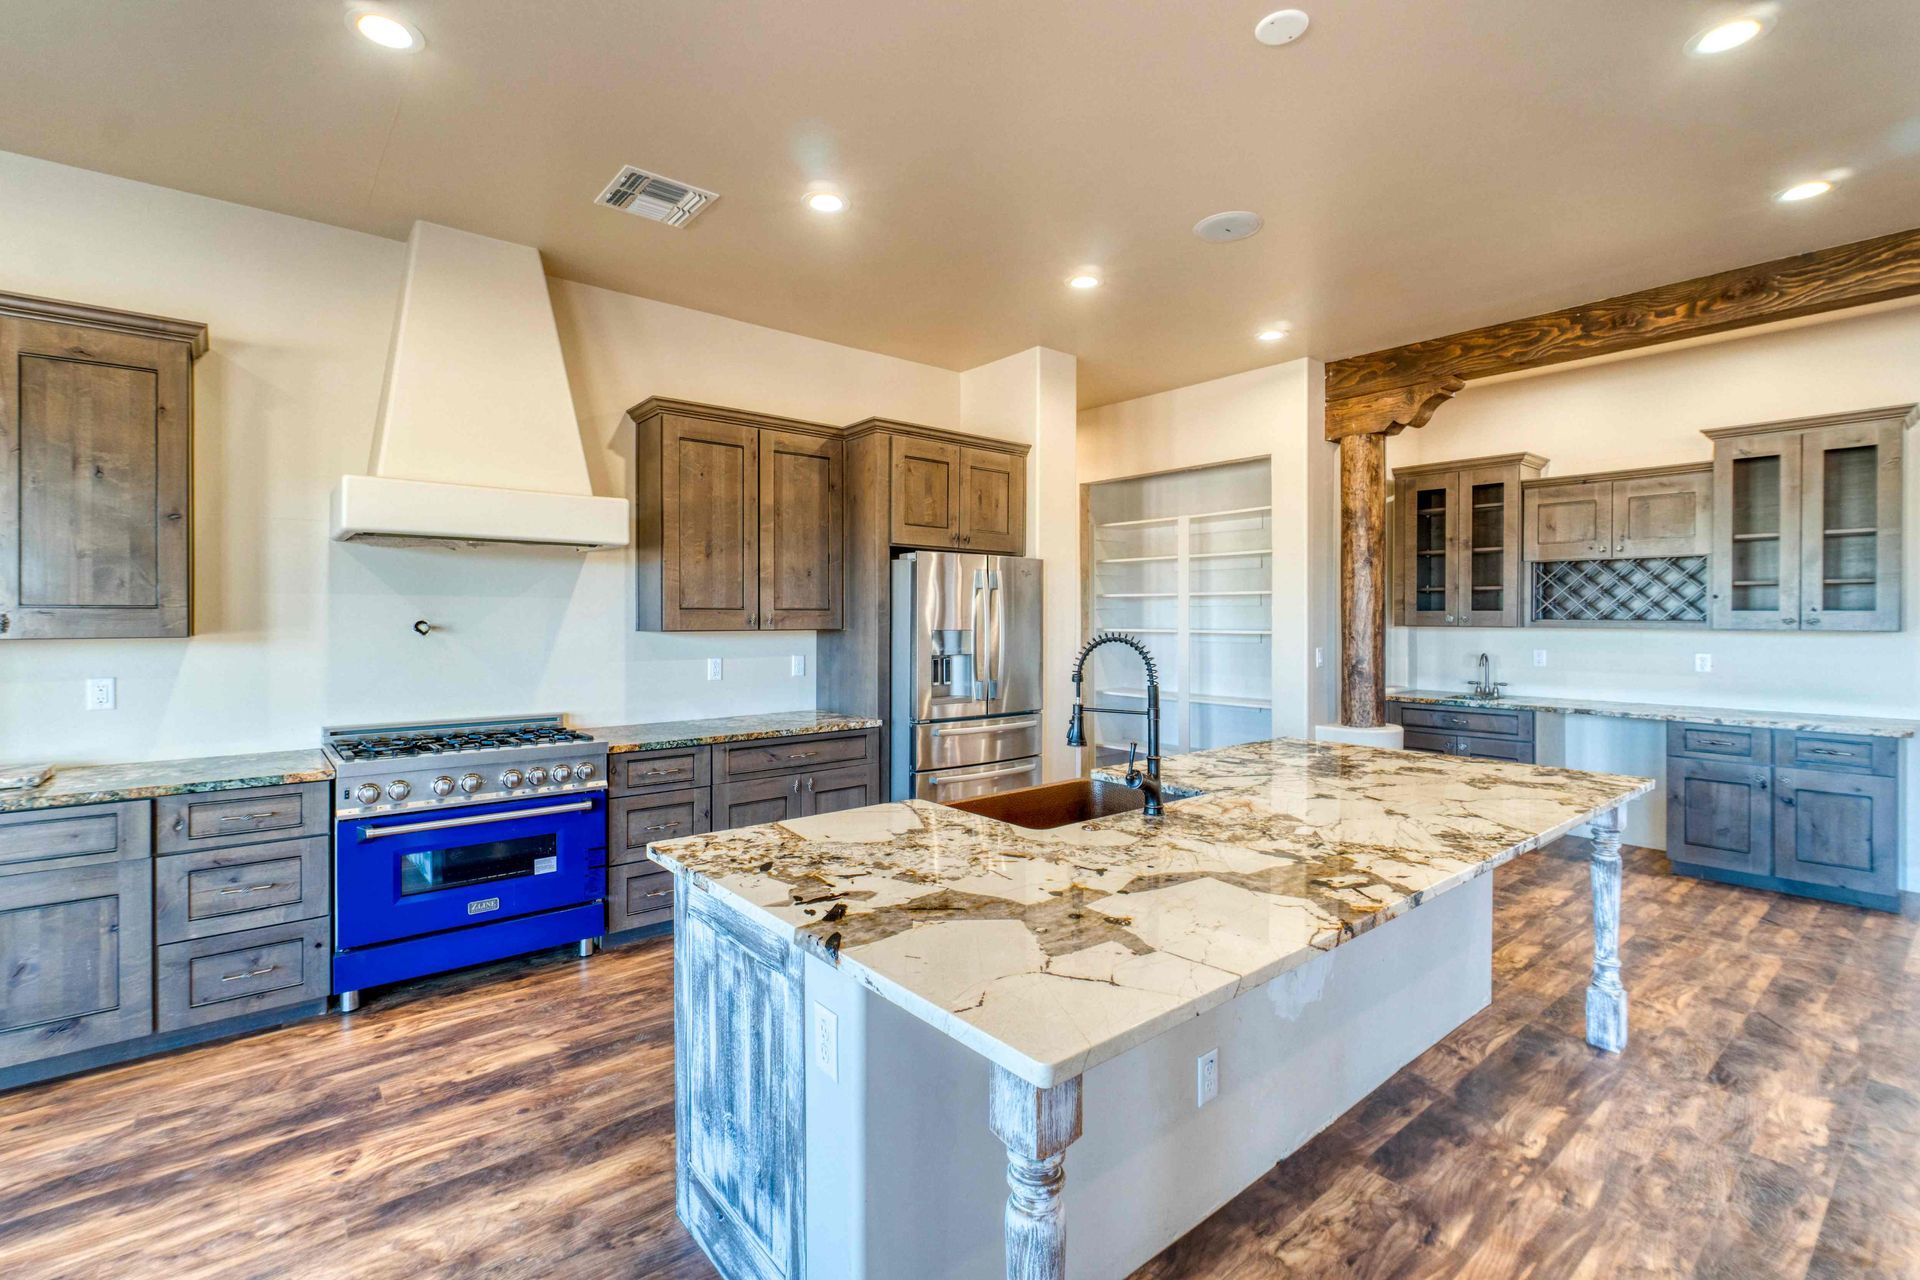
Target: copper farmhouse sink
(1058,804)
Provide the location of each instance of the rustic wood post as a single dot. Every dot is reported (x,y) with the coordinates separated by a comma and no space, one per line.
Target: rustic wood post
(1036,1126)
(1361,425)
(1606,998)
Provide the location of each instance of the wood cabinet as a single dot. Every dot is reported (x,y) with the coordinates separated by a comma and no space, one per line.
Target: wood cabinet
(76,930)
(948,495)
(1807,519)
(665,794)
(96,425)
(1655,512)
(1477,732)
(1459,541)
(1801,812)
(739,520)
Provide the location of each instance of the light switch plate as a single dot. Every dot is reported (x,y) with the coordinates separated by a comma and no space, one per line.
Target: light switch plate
(1209,1077)
(1539,657)
(798,665)
(1703,662)
(100,694)
(1319,656)
(826,1041)
(713,668)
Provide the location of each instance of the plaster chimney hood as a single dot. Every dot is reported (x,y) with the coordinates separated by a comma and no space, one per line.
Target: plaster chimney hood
(477,440)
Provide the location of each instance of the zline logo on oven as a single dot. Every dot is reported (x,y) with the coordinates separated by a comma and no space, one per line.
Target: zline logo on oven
(480,906)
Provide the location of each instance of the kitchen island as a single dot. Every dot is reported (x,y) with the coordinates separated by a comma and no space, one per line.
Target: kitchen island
(814,1130)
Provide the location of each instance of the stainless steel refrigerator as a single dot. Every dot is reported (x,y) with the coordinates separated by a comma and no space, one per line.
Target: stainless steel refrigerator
(966,674)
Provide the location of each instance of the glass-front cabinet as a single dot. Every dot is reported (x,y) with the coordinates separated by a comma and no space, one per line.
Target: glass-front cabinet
(1807,524)
(1459,541)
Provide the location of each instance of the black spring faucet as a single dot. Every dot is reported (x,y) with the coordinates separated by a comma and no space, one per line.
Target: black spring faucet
(1148,782)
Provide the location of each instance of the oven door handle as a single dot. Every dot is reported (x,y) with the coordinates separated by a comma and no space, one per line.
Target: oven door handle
(474,820)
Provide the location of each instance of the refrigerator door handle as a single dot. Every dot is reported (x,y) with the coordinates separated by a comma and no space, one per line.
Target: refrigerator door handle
(976,617)
(953,779)
(998,726)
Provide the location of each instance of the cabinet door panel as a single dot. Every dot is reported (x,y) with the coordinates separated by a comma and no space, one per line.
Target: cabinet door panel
(1430,530)
(747,804)
(832,790)
(1572,521)
(94,538)
(1834,829)
(1490,522)
(993,501)
(1720,815)
(801,505)
(1850,528)
(76,959)
(926,492)
(1756,533)
(1659,516)
(710,532)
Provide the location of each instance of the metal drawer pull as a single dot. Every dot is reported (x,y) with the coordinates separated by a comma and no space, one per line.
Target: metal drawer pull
(1718,742)
(1828,751)
(407,828)
(658,893)
(251,973)
(248,888)
(662,826)
(987,728)
(258,815)
(803,755)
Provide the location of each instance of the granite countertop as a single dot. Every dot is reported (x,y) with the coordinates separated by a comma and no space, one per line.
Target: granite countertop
(1804,721)
(104,783)
(1050,952)
(695,733)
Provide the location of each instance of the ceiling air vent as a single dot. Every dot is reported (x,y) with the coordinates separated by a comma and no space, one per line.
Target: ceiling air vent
(651,196)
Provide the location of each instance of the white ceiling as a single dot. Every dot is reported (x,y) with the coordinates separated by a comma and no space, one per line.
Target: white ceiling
(1423,166)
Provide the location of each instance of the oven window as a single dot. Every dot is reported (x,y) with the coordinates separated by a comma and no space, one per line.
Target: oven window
(433,869)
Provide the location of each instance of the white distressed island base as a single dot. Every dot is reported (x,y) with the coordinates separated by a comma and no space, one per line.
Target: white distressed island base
(853,989)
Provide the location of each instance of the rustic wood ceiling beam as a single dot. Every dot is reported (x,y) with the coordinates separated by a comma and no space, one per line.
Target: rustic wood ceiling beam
(1849,275)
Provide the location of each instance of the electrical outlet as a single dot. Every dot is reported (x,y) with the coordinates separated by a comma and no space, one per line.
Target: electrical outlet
(1539,657)
(826,1041)
(1319,656)
(100,694)
(797,665)
(713,668)
(1703,662)
(1209,1081)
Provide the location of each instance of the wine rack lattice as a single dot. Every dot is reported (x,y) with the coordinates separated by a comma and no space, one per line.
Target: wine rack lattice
(1653,590)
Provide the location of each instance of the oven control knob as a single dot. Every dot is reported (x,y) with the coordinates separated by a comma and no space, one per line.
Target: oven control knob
(511,778)
(367,792)
(443,785)
(583,770)
(398,790)
(536,777)
(562,773)
(470,783)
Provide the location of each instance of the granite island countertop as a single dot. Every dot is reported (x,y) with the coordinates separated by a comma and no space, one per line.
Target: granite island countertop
(1049,952)
(1802,721)
(696,733)
(107,783)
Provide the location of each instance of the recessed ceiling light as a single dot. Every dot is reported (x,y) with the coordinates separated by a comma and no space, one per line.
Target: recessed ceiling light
(1804,191)
(1274,334)
(1283,26)
(826,201)
(1729,35)
(386,31)
(1084,280)
(1224,228)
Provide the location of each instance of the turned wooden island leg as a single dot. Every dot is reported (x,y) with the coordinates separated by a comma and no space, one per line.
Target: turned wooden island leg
(1606,998)
(1036,1126)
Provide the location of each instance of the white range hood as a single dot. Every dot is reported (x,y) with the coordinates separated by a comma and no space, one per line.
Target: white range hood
(477,440)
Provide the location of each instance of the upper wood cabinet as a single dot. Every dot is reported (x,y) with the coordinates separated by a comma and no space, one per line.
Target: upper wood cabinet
(1650,513)
(96,425)
(946,495)
(739,520)
(1459,541)
(1807,518)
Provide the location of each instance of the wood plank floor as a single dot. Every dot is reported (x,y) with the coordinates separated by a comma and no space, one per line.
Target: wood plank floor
(518,1122)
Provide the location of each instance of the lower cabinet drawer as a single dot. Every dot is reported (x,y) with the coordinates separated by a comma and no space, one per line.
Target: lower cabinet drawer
(653,770)
(1719,742)
(634,822)
(214,891)
(1422,740)
(804,753)
(638,895)
(1499,724)
(237,973)
(1851,753)
(208,819)
(1515,749)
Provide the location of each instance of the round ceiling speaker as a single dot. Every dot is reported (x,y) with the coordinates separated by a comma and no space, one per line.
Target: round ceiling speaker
(1225,228)
(1282,26)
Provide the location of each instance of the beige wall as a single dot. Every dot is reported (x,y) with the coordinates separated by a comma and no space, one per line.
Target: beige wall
(1650,409)
(1276,413)
(295,631)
